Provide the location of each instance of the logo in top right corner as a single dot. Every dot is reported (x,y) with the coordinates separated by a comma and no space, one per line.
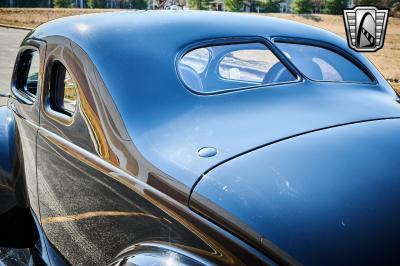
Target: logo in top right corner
(365,27)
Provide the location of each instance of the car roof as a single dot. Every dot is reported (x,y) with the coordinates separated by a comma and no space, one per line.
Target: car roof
(184,26)
(135,54)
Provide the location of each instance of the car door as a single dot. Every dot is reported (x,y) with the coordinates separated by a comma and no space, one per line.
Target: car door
(64,182)
(26,87)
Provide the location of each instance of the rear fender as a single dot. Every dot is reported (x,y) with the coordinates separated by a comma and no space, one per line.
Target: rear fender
(12,176)
(17,227)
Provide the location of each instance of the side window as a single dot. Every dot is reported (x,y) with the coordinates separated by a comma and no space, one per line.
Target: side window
(233,66)
(63,91)
(28,73)
(321,64)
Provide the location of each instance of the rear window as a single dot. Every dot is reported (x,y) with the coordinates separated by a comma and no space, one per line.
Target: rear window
(233,66)
(321,64)
(197,59)
(249,65)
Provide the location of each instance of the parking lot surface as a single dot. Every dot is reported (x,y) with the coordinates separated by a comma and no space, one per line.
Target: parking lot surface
(10,39)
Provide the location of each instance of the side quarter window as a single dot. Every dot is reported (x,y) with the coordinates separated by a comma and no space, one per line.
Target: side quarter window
(28,73)
(63,90)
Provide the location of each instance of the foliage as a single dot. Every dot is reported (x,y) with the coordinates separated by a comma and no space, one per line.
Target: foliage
(234,5)
(24,3)
(137,4)
(200,4)
(393,5)
(96,3)
(368,2)
(334,7)
(62,3)
(302,6)
(270,6)
(27,3)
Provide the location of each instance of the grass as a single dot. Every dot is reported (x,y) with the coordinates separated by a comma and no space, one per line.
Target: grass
(32,17)
(387,60)
(396,86)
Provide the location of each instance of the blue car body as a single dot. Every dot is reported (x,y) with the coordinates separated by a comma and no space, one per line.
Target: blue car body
(299,172)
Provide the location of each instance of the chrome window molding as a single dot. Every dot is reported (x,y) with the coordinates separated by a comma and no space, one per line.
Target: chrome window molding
(46,99)
(237,40)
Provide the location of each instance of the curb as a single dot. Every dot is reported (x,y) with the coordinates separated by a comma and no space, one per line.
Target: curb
(15,27)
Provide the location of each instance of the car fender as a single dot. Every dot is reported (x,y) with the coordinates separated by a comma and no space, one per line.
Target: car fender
(12,177)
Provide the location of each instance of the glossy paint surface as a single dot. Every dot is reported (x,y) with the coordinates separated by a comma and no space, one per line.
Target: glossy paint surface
(90,213)
(94,200)
(10,163)
(26,115)
(116,175)
(136,55)
(325,198)
(18,158)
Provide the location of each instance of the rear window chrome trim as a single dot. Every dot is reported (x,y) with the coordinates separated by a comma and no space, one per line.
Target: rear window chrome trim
(332,48)
(231,41)
(48,110)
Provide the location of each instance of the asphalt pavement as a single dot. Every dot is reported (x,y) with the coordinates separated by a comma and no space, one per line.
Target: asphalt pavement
(10,39)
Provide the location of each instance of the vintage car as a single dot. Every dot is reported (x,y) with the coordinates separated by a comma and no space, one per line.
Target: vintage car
(198,138)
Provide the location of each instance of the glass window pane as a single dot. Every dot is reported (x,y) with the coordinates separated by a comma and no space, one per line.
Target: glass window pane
(28,72)
(321,64)
(63,91)
(247,65)
(233,66)
(69,94)
(197,59)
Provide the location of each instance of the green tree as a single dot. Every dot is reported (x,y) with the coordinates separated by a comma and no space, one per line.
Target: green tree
(137,4)
(96,3)
(27,3)
(270,6)
(62,3)
(369,2)
(302,6)
(200,4)
(234,5)
(334,7)
(392,4)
